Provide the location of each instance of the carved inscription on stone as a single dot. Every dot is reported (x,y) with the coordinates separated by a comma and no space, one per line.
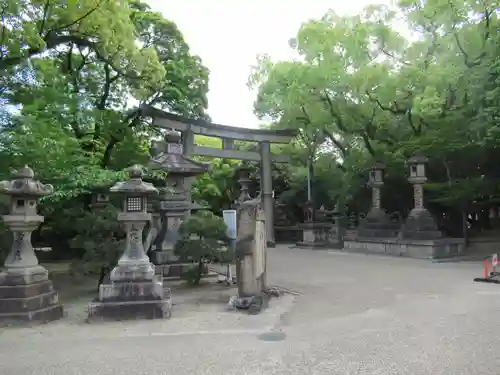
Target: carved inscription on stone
(18,244)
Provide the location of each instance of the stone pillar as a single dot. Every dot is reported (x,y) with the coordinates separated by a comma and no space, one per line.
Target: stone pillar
(187,149)
(251,259)
(376,197)
(133,290)
(267,190)
(26,293)
(418,196)
(376,181)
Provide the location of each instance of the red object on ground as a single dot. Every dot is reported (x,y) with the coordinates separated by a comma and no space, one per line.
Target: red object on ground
(486,268)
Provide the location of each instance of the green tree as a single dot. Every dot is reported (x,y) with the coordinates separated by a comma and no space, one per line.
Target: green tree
(376,95)
(202,238)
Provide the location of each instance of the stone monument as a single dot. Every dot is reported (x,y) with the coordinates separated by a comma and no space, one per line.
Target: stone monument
(26,293)
(174,203)
(133,290)
(319,229)
(250,254)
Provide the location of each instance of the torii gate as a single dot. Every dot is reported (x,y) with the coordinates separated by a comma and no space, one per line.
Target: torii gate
(264,137)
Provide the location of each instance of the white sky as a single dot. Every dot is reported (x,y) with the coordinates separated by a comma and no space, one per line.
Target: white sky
(229,34)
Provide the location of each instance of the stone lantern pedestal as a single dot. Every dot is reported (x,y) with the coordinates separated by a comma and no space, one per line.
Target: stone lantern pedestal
(26,293)
(133,291)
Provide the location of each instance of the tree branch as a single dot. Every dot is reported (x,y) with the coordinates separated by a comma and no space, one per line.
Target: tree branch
(44,17)
(74,22)
(336,142)
(340,123)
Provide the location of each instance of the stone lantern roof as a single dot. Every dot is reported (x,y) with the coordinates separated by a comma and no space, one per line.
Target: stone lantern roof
(418,159)
(172,160)
(24,185)
(135,184)
(378,166)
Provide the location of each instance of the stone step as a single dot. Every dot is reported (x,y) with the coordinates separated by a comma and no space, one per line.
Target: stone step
(26,291)
(44,315)
(41,301)
(127,310)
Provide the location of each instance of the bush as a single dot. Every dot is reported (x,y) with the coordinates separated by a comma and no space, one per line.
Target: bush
(203,239)
(100,238)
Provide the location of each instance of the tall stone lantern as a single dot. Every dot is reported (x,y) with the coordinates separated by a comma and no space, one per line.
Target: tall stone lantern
(133,290)
(377,223)
(174,203)
(26,293)
(420,224)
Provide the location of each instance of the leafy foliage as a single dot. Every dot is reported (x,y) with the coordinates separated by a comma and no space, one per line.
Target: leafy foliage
(100,238)
(73,76)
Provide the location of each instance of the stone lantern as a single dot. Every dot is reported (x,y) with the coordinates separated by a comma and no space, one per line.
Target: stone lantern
(26,293)
(134,290)
(376,223)
(174,203)
(420,224)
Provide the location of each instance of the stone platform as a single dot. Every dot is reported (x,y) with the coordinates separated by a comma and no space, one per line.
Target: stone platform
(131,300)
(319,235)
(422,249)
(28,298)
(174,271)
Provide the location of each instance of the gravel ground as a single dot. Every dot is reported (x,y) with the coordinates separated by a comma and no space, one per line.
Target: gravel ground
(356,314)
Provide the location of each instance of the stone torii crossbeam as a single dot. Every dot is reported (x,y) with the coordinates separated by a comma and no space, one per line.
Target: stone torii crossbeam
(228,134)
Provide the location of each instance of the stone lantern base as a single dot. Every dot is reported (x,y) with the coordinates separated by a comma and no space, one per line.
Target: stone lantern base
(123,300)
(420,225)
(376,224)
(28,295)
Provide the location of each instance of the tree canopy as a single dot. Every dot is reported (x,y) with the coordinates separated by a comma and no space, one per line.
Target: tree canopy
(369,92)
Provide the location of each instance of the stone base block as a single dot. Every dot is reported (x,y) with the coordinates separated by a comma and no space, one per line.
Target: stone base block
(44,315)
(146,299)
(127,310)
(132,290)
(429,249)
(23,276)
(127,272)
(37,302)
(26,290)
